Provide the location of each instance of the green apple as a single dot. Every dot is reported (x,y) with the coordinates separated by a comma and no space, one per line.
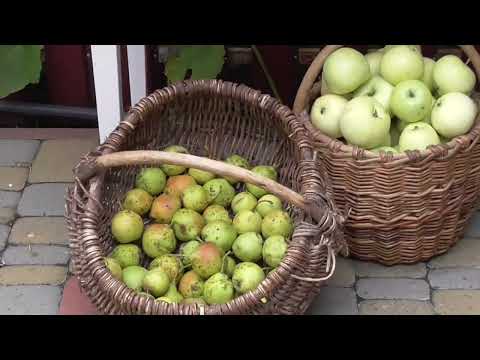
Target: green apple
(401,63)
(411,101)
(418,136)
(374,60)
(454,114)
(427,79)
(365,122)
(345,70)
(326,113)
(417,48)
(325,91)
(377,88)
(452,75)
(402,124)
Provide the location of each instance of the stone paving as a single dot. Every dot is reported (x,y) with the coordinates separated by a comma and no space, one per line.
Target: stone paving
(34,254)
(446,285)
(34,251)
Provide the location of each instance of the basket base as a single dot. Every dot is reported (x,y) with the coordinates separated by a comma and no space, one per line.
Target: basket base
(398,258)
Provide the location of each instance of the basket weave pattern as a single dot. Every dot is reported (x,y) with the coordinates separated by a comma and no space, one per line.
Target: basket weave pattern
(211,119)
(399,209)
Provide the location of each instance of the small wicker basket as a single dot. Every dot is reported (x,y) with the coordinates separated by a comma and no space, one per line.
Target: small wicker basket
(400,209)
(212,119)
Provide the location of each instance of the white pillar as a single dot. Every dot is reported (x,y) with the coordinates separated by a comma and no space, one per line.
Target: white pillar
(137,72)
(108,87)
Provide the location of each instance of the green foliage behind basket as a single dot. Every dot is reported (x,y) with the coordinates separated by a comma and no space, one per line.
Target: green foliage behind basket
(204,62)
(20,65)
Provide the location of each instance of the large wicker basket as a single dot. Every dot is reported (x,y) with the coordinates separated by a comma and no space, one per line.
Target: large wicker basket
(212,119)
(399,209)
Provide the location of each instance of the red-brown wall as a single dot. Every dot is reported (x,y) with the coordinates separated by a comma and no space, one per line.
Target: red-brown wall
(68,78)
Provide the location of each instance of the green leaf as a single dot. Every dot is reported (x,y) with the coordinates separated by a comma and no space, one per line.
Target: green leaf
(176,69)
(20,65)
(205,62)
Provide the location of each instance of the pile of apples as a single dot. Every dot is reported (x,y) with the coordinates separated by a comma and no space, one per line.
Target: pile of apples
(185,235)
(394,99)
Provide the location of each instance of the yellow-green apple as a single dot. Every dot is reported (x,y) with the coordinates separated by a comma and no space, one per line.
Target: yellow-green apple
(417,48)
(452,75)
(365,122)
(418,136)
(377,88)
(453,115)
(401,63)
(326,113)
(345,70)
(411,101)
(374,59)
(427,78)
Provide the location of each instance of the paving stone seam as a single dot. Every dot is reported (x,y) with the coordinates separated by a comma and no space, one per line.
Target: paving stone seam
(460,268)
(36,154)
(26,181)
(40,245)
(66,246)
(359,299)
(17,217)
(391,277)
(46,284)
(476,267)
(50,183)
(429,302)
(6,245)
(429,269)
(430,289)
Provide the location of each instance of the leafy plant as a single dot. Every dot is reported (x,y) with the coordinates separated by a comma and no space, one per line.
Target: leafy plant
(20,65)
(204,62)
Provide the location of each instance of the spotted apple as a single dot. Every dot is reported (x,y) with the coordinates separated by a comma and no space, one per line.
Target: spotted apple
(418,136)
(377,88)
(411,101)
(326,113)
(365,122)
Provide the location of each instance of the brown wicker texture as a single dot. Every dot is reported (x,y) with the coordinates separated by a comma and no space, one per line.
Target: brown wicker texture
(402,209)
(212,119)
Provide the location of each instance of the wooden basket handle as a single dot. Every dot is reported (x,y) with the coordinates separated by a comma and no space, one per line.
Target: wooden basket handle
(302,98)
(90,167)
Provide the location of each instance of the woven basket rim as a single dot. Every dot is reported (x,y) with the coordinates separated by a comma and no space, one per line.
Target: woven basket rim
(442,151)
